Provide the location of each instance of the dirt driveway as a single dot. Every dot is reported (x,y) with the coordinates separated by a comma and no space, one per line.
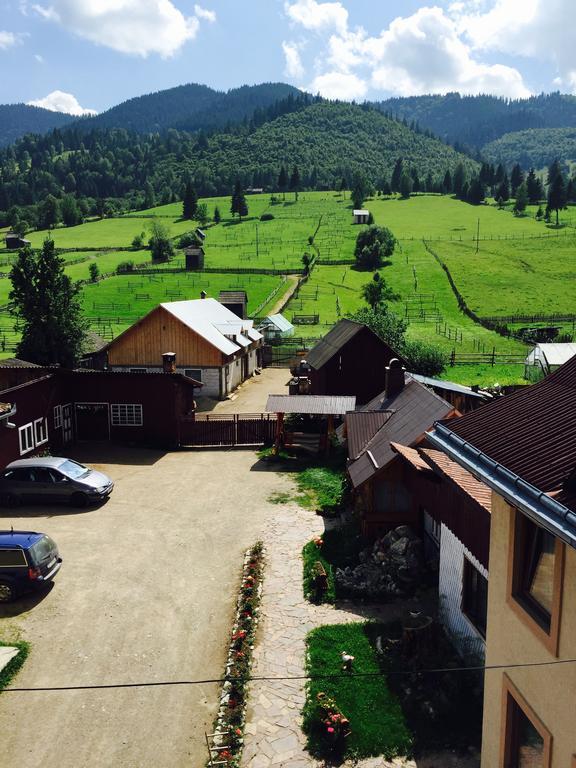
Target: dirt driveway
(145,593)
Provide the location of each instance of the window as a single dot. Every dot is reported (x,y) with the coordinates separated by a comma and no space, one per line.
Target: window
(12,557)
(527,741)
(26,438)
(474,596)
(535,583)
(41,431)
(138,370)
(126,415)
(193,373)
(57,416)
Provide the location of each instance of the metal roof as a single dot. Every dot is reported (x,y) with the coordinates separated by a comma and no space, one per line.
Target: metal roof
(414,409)
(335,339)
(280,322)
(362,428)
(553,354)
(313,405)
(450,386)
(14,362)
(361,212)
(209,319)
(233,297)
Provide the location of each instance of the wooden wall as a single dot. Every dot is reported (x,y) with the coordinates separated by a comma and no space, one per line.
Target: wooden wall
(145,342)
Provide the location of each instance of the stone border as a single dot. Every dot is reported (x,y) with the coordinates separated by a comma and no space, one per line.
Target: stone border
(228,739)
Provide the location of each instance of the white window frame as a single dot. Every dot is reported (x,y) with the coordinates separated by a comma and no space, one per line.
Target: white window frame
(40,431)
(126,414)
(26,438)
(57,416)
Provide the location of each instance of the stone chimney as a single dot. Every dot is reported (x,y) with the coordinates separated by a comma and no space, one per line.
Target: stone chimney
(203,294)
(394,378)
(169,362)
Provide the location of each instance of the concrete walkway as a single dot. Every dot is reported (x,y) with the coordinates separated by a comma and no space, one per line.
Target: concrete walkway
(274,735)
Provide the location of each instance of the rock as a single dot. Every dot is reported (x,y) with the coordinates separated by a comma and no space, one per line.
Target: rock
(404,531)
(390,538)
(399,547)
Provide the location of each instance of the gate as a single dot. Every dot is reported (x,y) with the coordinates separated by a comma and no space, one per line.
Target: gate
(227,430)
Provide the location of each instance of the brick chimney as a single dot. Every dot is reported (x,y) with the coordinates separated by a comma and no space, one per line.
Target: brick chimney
(203,294)
(169,362)
(394,378)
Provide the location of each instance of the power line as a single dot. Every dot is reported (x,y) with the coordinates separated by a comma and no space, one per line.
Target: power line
(263,678)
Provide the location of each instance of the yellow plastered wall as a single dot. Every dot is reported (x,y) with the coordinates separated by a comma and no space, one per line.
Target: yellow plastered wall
(549,690)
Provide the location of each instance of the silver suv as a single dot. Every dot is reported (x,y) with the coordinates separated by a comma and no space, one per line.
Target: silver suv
(52,479)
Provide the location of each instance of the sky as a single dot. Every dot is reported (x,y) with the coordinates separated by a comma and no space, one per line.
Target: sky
(79,56)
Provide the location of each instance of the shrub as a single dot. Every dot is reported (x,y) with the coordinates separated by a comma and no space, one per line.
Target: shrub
(267,217)
(425,359)
(94,271)
(187,239)
(373,246)
(125,266)
(138,241)
(311,555)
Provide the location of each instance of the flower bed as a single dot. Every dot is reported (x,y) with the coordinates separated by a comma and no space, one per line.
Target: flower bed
(230,720)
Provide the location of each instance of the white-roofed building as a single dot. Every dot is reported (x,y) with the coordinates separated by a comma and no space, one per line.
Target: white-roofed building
(211,344)
(361,216)
(543,359)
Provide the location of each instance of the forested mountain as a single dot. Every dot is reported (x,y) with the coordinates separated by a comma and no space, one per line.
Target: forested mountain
(475,121)
(327,141)
(17,120)
(190,108)
(537,148)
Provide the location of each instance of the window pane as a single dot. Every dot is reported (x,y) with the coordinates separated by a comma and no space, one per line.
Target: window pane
(541,586)
(529,745)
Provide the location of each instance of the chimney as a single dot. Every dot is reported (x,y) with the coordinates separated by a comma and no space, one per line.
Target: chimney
(394,378)
(169,362)
(203,294)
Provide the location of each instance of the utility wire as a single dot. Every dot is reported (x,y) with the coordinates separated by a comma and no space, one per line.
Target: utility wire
(263,678)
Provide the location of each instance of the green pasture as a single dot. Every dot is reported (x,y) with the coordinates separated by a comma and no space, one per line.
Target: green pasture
(514,277)
(123,299)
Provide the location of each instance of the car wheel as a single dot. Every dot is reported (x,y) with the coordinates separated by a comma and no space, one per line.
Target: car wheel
(11,500)
(79,500)
(7,592)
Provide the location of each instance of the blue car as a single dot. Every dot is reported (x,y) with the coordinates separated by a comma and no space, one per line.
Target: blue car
(27,561)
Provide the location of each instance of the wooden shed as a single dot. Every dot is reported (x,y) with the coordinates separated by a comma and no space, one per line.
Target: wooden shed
(14,241)
(235,301)
(194,257)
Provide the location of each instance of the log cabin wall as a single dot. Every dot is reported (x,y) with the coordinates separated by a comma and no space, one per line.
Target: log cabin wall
(144,343)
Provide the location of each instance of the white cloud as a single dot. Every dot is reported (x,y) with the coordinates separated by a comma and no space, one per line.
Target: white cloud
(294,67)
(204,13)
(39,59)
(541,29)
(426,52)
(318,16)
(60,101)
(9,40)
(138,27)
(339,85)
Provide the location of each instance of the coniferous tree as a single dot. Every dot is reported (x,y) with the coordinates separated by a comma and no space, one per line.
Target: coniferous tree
(516,178)
(189,202)
(149,196)
(476,191)
(503,191)
(447,183)
(238,204)
(397,175)
(49,213)
(406,186)
(557,195)
(521,199)
(295,182)
(555,169)
(217,218)
(69,211)
(459,181)
(47,305)
(533,187)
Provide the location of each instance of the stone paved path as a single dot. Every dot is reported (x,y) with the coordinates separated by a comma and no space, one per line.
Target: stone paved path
(274,737)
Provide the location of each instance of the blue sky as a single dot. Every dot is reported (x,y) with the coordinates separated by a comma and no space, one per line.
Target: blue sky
(73,55)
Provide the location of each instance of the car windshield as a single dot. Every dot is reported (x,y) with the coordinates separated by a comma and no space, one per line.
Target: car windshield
(73,469)
(43,548)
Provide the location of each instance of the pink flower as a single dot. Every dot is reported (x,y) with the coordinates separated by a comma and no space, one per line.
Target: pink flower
(330,729)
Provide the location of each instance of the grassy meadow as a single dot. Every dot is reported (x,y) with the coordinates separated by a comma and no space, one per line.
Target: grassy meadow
(523,266)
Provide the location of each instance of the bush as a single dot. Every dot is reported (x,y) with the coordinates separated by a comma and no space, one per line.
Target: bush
(125,266)
(187,239)
(311,555)
(425,359)
(267,217)
(138,241)
(94,271)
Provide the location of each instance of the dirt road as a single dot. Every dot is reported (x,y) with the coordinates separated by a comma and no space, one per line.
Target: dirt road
(145,594)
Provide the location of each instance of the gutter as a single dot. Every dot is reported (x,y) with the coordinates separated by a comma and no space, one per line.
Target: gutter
(537,505)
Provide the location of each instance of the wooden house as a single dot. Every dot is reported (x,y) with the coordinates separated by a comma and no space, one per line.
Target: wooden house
(235,301)
(14,241)
(211,344)
(194,257)
(350,360)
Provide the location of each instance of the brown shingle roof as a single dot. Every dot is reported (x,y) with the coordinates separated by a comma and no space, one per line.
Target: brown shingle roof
(414,409)
(459,476)
(531,432)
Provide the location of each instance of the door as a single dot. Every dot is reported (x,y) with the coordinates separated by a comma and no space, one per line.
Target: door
(67,429)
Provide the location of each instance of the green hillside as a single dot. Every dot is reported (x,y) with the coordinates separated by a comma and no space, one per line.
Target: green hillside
(536,148)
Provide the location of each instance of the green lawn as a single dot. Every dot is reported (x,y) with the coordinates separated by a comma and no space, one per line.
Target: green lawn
(376,720)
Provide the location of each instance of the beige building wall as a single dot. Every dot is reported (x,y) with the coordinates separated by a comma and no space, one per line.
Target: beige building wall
(551,690)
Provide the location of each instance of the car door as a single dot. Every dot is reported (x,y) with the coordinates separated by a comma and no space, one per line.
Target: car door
(62,485)
(44,487)
(21,483)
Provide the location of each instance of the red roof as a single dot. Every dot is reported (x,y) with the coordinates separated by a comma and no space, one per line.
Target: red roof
(460,477)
